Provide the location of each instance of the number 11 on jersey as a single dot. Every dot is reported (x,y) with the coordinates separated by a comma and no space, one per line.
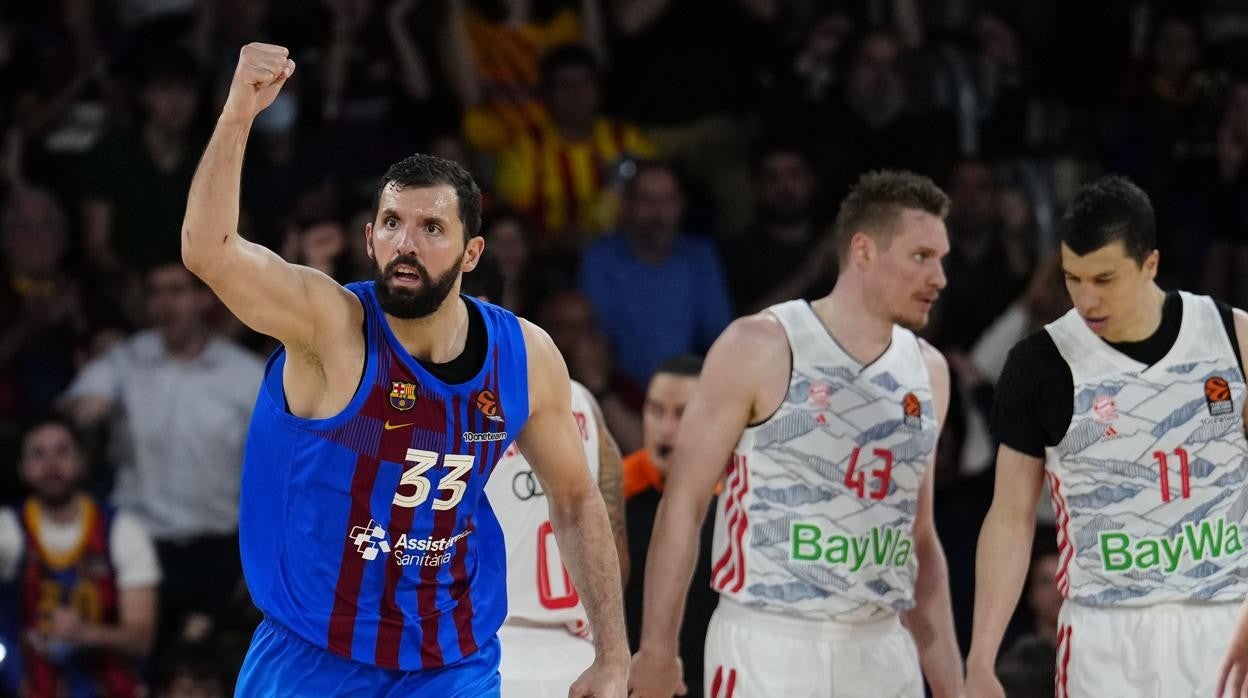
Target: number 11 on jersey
(1185,473)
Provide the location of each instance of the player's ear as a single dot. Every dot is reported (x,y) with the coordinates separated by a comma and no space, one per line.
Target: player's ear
(1151,263)
(472,253)
(862,249)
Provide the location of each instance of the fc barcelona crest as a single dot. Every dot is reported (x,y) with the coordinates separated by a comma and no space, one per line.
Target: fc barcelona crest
(402,395)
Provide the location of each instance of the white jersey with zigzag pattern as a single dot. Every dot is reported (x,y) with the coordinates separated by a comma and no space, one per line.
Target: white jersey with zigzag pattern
(1148,482)
(817,515)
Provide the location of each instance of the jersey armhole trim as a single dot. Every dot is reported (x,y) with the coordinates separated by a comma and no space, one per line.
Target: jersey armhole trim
(788,383)
(1227,314)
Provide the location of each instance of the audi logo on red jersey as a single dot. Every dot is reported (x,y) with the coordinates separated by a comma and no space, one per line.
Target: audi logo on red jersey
(525,486)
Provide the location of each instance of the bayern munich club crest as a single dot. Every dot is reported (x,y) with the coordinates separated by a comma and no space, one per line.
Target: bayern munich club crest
(402,395)
(1104,409)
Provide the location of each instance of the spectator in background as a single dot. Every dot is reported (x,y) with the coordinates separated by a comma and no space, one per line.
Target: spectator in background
(1000,88)
(494,51)
(507,237)
(1228,253)
(192,670)
(644,471)
(178,402)
(975,372)
(568,317)
(376,99)
(563,173)
(41,312)
(1165,139)
(136,182)
(656,291)
(874,125)
(988,262)
(781,257)
(80,579)
(55,82)
(686,71)
(320,242)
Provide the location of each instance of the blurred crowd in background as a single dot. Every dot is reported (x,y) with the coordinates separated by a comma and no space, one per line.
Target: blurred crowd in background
(652,169)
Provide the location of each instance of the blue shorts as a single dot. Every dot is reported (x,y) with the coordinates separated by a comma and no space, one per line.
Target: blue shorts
(281,664)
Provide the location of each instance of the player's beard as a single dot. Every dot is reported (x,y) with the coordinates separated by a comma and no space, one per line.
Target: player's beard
(912,322)
(412,304)
(56,493)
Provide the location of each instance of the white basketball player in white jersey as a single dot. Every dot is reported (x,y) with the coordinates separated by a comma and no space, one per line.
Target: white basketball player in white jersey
(546,642)
(1131,406)
(828,415)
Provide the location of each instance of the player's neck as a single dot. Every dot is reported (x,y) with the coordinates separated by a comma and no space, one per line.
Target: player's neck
(845,315)
(438,337)
(1145,321)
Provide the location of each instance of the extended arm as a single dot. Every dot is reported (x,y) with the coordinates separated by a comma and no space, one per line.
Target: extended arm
(930,622)
(713,421)
(552,445)
(1001,562)
(269,295)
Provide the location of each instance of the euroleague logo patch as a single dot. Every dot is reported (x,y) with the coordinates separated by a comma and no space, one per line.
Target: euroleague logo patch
(912,411)
(1218,397)
(487,404)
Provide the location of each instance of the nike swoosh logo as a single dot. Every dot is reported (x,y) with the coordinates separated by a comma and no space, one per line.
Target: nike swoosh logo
(388,426)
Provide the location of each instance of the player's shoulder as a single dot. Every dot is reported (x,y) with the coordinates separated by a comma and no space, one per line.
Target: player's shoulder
(933,357)
(757,331)
(1035,358)
(535,338)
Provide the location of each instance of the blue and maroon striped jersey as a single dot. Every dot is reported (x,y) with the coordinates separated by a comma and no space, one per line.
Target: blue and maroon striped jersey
(368,533)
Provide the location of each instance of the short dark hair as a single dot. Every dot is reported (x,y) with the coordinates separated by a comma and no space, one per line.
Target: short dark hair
(687,365)
(421,170)
(1110,209)
(54,419)
(875,200)
(566,56)
(484,281)
(778,146)
(641,167)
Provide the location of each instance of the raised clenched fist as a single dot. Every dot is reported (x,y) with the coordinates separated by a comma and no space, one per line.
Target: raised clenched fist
(261,72)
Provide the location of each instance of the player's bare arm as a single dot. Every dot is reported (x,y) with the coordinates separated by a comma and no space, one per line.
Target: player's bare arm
(930,622)
(303,308)
(611,485)
(551,443)
(1233,674)
(731,394)
(1001,561)
(1241,335)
